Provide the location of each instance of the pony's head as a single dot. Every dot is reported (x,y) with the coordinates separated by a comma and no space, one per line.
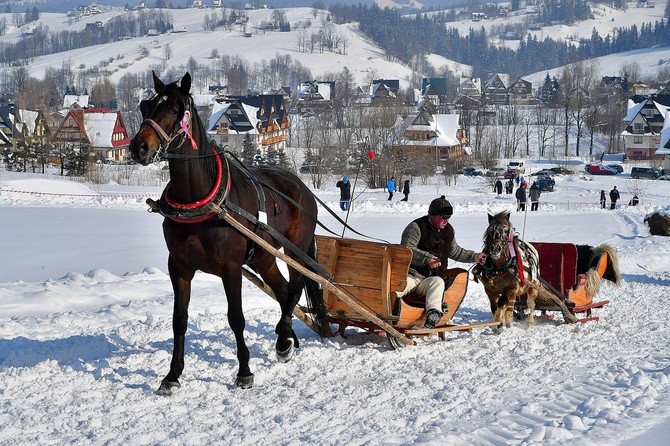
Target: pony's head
(162,115)
(497,234)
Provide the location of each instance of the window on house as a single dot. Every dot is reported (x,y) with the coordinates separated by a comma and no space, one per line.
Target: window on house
(637,126)
(637,140)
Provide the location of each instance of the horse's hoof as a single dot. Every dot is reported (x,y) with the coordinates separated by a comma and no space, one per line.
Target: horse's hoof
(286,355)
(166,388)
(245,382)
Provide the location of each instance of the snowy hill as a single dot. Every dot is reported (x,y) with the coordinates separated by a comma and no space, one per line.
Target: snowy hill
(364,59)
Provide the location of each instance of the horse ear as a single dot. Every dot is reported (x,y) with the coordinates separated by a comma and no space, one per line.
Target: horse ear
(490,218)
(185,84)
(158,84)
(506,215)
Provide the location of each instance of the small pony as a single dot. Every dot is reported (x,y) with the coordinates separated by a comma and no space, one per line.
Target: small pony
(512,269)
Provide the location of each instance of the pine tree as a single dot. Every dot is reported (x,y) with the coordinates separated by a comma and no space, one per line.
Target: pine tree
(248,151)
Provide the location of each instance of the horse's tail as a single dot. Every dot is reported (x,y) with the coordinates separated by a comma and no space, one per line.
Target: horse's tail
(593,278)
(612,271)
(315,298)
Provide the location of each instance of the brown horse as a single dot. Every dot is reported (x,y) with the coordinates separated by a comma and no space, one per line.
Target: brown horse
(204,182)
(512,270)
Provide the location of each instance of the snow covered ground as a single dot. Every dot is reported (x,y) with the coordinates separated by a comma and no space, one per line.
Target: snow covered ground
(85,335)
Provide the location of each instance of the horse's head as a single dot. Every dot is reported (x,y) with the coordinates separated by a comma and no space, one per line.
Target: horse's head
(161,114)
(497,235)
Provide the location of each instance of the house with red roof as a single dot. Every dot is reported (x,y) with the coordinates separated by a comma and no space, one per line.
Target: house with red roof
(101,129)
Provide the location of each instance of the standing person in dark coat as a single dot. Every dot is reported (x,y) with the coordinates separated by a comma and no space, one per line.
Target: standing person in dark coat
(614,196)
(603,200)
(498,187)
(520,199)
(345,193)
(405,190)
(509,186)
(534,193)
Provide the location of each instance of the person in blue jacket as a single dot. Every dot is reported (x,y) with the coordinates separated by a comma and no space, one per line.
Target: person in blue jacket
(345,193)
(390,185)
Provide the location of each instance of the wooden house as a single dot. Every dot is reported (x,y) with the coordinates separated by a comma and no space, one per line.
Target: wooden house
(644,122)
(102,130)
(263,118)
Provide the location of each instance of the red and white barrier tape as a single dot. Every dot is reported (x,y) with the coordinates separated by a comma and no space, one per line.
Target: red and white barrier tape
(81,195)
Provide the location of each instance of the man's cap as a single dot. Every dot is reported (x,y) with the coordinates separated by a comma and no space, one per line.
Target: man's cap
(440,206)
(345,179)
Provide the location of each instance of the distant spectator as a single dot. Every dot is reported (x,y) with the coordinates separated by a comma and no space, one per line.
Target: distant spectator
(534,193)
(602,199)
(345,193)
(614,196)
(509,186)
(634,201)
(498,187)
(520,199)
(390,185)
(405,190)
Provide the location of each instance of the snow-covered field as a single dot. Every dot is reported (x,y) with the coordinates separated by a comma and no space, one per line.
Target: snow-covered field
(85,335)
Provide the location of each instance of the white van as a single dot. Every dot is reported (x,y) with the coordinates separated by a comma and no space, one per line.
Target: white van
(516,166)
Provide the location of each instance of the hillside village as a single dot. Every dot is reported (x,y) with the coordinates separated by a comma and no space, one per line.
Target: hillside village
(438,123)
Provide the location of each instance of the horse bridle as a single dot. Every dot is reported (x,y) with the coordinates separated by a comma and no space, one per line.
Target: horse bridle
(179,130)
(499,236)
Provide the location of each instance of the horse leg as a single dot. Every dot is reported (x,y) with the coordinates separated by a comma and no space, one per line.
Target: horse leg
(505,311)
(181,277)
(493,300)
(509,310)
(287,294)
(232,283)
(530,302)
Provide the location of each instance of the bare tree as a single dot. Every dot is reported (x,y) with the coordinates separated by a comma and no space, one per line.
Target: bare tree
(167,52)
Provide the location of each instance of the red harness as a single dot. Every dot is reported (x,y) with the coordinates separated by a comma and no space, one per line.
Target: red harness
(207,201)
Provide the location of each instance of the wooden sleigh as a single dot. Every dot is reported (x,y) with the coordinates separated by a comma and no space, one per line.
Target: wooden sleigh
(373,274)
(561,267)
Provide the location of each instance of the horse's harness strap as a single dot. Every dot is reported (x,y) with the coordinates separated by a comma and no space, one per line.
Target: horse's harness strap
(286,243)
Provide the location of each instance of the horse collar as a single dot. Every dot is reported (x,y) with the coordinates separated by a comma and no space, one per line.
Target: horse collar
(201,210)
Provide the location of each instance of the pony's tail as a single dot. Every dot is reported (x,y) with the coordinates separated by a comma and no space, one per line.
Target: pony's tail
(593,279)
(315,298)
(612,272)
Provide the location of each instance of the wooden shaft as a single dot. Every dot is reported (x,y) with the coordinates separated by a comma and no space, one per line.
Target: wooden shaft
(297,312)
(321,280)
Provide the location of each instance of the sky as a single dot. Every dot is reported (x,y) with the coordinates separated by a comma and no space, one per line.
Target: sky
(85,337)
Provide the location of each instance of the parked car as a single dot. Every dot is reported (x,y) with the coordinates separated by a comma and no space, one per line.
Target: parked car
(542,172)
(546,183)
(510,174)
(650,173)
(617,167)
(472,172)
(308,168)
(664,177)
(519,166)
(599,169)
(561,170)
